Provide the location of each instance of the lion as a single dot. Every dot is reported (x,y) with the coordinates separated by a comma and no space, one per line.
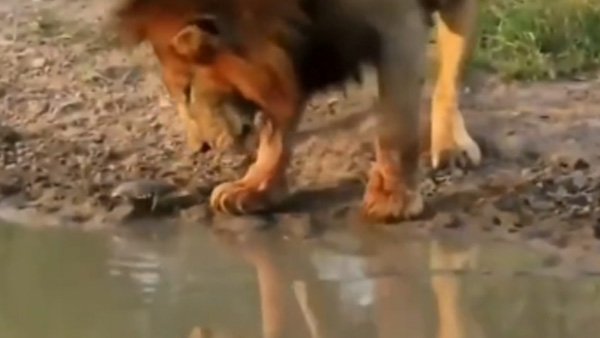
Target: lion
(273,55)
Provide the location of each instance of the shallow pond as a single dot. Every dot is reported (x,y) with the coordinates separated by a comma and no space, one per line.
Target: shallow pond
(169,282)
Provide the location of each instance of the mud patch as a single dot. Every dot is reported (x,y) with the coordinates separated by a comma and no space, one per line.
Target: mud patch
(80,117)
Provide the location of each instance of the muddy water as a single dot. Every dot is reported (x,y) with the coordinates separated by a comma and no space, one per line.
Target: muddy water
(184,281)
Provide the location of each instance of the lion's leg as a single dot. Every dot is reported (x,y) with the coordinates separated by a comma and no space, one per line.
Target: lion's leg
(452,319)
(450,141)
(264,183)
(391,193)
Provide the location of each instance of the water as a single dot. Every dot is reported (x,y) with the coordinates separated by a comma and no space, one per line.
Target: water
(186,282)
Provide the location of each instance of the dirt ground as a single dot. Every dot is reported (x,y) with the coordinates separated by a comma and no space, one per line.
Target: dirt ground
(79,116)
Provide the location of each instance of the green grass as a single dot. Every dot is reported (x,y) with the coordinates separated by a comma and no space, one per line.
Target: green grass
(539,39)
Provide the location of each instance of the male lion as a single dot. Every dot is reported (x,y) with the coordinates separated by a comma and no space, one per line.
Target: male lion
(274,54)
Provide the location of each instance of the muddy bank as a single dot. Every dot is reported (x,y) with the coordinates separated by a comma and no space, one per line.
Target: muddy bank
(79,116)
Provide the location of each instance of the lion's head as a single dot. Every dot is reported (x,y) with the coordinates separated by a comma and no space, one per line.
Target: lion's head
(222,60)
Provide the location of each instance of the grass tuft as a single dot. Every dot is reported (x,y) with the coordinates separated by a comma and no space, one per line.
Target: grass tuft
(539,39)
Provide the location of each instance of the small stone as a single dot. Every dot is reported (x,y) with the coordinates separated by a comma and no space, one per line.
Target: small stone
(428,187)
(164,102)
(578,200)
(539,203)
(560,193)
(528,173)
(579,180)
(10,186)
(38,62)
(570,161)
(574,183)
(38,107)
(580,211)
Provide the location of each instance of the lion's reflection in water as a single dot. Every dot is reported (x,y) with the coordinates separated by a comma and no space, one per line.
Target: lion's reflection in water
(380,289)
(181,281)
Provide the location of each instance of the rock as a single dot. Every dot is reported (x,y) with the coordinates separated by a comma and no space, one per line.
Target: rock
(569,161)
(10,185)
(575,182)
(38,62)
(580,200)
(559,193)
(539,203)
(428,187)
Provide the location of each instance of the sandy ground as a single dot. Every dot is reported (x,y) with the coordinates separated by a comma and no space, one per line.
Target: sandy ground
(79,116)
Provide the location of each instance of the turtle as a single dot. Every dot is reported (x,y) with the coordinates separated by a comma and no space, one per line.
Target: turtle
(143,191)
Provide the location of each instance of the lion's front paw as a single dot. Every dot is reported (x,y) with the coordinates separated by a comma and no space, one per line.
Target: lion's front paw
(387,203)
(241,197)
(451,145)
(448,152)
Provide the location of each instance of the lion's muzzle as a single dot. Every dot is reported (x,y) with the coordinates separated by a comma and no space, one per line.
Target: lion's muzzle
(223,122)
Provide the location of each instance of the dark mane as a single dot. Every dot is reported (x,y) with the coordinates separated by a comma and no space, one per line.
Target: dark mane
(246,19)
(333,46)
(326,44)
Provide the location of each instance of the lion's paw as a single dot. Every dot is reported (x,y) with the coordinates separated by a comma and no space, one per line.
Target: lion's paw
(240,197)
(386,204)
(454,147)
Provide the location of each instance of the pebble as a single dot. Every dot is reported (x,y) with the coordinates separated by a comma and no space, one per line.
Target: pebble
(575,182)
(569,161)
(539,203)
(10,185)
(38,62)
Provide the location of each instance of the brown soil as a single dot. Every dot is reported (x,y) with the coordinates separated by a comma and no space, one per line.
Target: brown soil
(79,116)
